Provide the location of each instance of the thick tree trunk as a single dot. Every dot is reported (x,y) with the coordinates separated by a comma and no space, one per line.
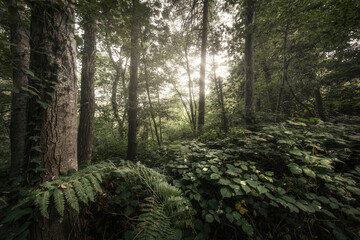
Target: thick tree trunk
(20,53)
(284,78)
(87,101)
(52,122)
(319,105)
(133,84)
(249,62)
(201,116)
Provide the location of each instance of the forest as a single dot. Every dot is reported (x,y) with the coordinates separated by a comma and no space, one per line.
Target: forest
(179,119)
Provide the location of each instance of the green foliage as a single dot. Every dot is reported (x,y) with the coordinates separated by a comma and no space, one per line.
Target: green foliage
(291,179)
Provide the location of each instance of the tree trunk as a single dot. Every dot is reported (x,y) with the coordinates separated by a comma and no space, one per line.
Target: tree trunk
(267,76)
(190,87)
(201,117)
(220,97)
(20,54)
(151,106)
(87,101)
(133,84)
(52,122)
(319,105)
(249,62)
(284,79)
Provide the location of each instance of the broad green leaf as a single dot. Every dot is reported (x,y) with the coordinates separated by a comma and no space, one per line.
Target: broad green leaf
(225,192)
(209,218)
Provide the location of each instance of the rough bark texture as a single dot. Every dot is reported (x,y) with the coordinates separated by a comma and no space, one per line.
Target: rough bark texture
(201,116)
(319,105)
(52,120)
(133,83)
(87,102)
(20,53)
(249,61)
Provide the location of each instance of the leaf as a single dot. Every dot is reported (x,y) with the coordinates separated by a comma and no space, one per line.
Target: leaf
(294,168)
(214,169)
(224,181)
(59,201)
(246,189)
(71,199)
(309,172)
(209,218)
(80,191)
(42,201)
(62,186)
(214,176)
(225,192)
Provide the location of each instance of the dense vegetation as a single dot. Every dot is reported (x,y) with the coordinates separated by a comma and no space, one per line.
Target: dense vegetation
(192,120)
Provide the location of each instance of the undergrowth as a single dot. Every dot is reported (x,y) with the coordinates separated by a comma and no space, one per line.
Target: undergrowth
(287,181)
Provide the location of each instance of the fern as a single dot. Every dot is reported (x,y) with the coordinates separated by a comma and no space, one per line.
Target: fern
(42,202)
(59,201)
(80,191)
(88,189)
(94,182)
(71,199)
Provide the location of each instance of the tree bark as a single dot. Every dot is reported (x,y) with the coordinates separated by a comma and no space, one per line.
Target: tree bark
(319,105)
(87,101)
(52,118)
(284,78)
(201,116)
(133,84)
(249,62)
(51,143)
(20,53)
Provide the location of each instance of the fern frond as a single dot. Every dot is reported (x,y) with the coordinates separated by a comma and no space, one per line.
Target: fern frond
(71,198)
(80,191)
(42,202)
(94,182)
(88,188)
(59,201)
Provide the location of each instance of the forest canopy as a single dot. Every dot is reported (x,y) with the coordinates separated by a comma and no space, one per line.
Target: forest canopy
(179,119)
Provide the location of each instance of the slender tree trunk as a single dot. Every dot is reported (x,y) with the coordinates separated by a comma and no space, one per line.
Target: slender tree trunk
(160,125)
(201,117)
(319,105)
(249,62)
(52,119)
(20,54)
(114,104)
(133,84)
(190,87)
(87,102)
(284,79)
(267,76)
(151,106)
(220,97)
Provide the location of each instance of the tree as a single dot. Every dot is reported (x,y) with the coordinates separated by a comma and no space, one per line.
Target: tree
(51,146)
(133,83)
(201,116)
(87,100)
(52,130)
(249,61)
(20,53)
